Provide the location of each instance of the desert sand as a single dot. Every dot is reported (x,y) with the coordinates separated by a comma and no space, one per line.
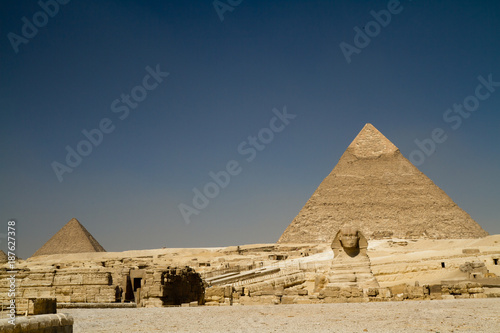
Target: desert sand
(470,315)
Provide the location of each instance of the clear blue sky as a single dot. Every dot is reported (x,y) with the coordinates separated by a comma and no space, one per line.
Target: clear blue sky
(225,78)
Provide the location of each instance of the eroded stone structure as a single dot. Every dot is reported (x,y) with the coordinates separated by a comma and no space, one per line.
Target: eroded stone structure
(350,265)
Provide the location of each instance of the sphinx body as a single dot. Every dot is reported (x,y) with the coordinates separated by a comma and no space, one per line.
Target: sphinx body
(351,264)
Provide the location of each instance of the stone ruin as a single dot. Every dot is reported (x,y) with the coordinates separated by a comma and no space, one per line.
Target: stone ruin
(350,265)
(147,287)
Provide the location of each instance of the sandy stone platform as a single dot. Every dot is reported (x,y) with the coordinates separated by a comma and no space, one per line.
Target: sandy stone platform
(471,315)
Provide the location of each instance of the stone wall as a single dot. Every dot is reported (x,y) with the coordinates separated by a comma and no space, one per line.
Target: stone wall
(298,294)
(66,285)
(158,286)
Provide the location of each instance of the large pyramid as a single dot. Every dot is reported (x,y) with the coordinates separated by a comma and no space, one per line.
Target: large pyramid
(384,194)
(72,238)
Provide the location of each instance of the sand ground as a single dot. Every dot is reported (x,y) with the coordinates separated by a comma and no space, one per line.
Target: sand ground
(468,315)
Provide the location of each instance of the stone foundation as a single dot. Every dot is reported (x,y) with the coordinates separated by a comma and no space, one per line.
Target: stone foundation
(298,294)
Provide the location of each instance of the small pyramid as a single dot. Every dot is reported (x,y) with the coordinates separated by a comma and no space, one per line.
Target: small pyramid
(3,257)
(374,187)
(72,238)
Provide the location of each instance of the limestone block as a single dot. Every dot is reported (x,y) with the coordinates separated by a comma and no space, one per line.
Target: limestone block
(475,290)
(215,291)
(435,289)
(228,290)
(92,290)
(68,279)
(46,293)
(66,290)
(78,290)
(351,292)
(482,295)
(155,291)
(448,297)
(304,300)
(384,293)
(286,299)
(78,298)
(415,292)
(108,291)
(372,292)
(212,303)
(63,299)
(157,276)
(335,300)
(303,292)
(247,300)
(44,306)
(152,303)
(462,296)
(330,292)
(473,285)
(96,278)
(105,299)
(267,290)
(213,298)
(399,289)
(289,291)
(492,292)
(358,300)
(35,279)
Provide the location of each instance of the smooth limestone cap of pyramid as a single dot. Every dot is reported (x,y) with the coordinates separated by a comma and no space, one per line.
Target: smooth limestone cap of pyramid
(370,143)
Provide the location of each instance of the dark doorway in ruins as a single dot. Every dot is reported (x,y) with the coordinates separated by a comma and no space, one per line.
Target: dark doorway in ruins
(128,293)
(182,286)
(495,261)
(137,283)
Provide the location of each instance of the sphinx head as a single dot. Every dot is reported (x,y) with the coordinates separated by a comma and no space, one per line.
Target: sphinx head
(349,238)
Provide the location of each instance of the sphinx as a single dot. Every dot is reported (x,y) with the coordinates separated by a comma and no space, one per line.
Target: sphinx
(351,264)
